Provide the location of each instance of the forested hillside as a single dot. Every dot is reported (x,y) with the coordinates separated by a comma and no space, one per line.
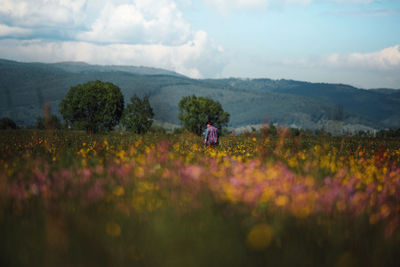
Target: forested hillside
(25,87)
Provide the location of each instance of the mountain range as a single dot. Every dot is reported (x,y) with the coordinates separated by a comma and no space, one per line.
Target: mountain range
(26,87)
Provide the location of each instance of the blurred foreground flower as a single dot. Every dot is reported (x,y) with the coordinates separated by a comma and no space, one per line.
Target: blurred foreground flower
(260,237)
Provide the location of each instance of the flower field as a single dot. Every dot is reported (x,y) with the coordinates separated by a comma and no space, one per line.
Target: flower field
(72,199)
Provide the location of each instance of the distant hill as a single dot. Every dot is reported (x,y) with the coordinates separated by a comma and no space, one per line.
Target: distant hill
(82,67)
(25,87)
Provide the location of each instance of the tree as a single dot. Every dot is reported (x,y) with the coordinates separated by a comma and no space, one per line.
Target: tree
(195,112)
(138,116)
(93,106)
(7,123)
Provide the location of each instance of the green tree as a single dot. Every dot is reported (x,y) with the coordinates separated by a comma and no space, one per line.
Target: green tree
(7,123)
(93,106)
(138,115)
(195,112)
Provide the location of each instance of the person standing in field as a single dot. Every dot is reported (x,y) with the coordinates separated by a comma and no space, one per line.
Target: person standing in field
(211,136)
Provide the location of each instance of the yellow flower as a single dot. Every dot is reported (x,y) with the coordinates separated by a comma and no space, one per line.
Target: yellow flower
(267,195)
(119,191)
(113,229)
(260,237)
(282,200)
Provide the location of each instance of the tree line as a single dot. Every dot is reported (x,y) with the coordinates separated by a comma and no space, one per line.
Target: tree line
(100,106)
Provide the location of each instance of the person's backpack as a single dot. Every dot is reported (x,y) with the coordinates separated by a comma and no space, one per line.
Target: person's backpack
(213,136)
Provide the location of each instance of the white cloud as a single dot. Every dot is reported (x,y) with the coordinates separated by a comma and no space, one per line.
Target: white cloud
(139,22)
(367,70)
(100,21)
(42,13)
(376,69)
(196,58)
(7,31)
(385,59)
(227,6)
(185,2)
(128,32)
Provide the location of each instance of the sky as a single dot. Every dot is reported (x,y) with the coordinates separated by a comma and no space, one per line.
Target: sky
(354,42)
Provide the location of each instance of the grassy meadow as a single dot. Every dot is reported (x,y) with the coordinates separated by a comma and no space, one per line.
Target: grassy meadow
(72,199)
